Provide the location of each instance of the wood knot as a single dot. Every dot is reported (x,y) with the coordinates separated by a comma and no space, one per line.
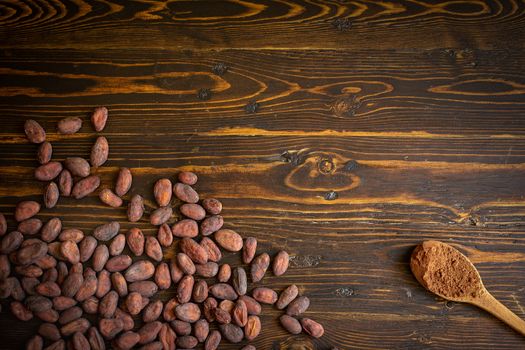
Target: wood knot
(345,106)
(326,166)
(301,342)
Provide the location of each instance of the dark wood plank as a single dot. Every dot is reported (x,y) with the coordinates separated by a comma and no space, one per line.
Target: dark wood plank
(262,24)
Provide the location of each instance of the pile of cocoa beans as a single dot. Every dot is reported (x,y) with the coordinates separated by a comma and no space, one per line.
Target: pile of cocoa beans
(104,288)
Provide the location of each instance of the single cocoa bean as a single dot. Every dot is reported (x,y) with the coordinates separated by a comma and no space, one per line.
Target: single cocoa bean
(71,314)
(231,332)
(145,288)
(107,231)
(207,270)
(124,180)
(99,152)
(248,347)
(77,166)
(135,208)
(164,235)
(29,254)
(175,271)
(3,225)
(88,288)
(108,304)
(20,311)
(227,305)
(201,330)
(118,263)
(17,292)
(185,228)
(127,340)
(252,328)
(35,343)
(49,331)
(188,312)
(169,310)
(79,325)
(50,275)
(152,311)
(50,316)
(134,303)
(71,234)
(156,345)
(167,337)
(264,295)
(240,313)
(292,325)
(240,281)
(65,183)
(62,272)
(287,295)
(34,131)
(312,328)
(200,291)
(110,327)
(69,250)
(161,215)
(100,257)
(29,271)
(11,242)
(188,178)
(139,271)
(185,193)
(162,192)
(48,289)
(181,327)
(119,284)
(37,303)
(51,195)
(211,224)
(214,253)
(187,342)
(184,289)
(280,263)
(212,206)
(85,187)
(108,197)
(46,262)
(127,321)
(95,339)
(213,340)
(135,240)
(193,211)
(223,291)
(26,209)
(5,267)
(69,125)
(192,249)
(225,273)
(30,226)
(62,303)
(48,171)
(298,306)
(229,240)
(80,341)
(77,268)
(162,276)
(44,153)
(99,118)
(259,266)
(87,247)
(53,249)
(209,306)
(153,248)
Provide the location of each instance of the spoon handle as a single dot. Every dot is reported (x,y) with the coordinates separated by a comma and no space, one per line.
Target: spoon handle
(492,305)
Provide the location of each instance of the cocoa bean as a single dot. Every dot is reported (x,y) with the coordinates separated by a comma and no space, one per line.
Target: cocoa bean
(107,231)
(46,262)
(160,215)
(117,244)
(35,343)
(188,312)
(188,178)
(223,291)
(167,337)
(312,328)
(58,345)
(5,267)
(48,289)
(85,187)
(69,250)
(298,306)
(30,226)
(184,289)
(193,211)
(212,206)
(50,316)
(135,239)
(99,118)
(165,236)
(29,254)
(185,228)
(79,325)
(259,266)
(53,249)
(34,131)
(213,340)
(201,330)
(65,183)
(48,171)
(110,327)
(145,288)
(119,284)
(20,311)
(162,192)
(71,234)
(26,209)
(200,291)
(252,328)
(225,273)
(37,303)
(134,303)
(264,295)
(49,331)
(211,224)
(71,314)
(185,193)
(229,240)
(292,325)
(287,295)
(17,292)
(95,339)
(231,332)
(3,225)
(62,272)
(222,316)
(162,276)
(214,253)
(87,247)
(181,327)
(127,340)
(62,303)
(240,313)
(77,166)
(77,268)
(127,321)
(135,208)
(209,306)
(80,341)
(139,271)
(248,347)
(11,242)
(153,248)
(227,305)
(51,195)
(90,305)
(240,281)
(99,152)
(69,125)
(29,271)
(100,257)
(108,305)
(88,288)
(108,197)
(124,180)
(118,263)
(192,249)
(169,310)
(175,271)
(187,342)
(44,153)
(280,263)
(152,311)
(207,270)
(156,345)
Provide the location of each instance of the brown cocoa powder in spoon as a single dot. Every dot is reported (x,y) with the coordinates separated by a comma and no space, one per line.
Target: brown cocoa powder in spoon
(444,271)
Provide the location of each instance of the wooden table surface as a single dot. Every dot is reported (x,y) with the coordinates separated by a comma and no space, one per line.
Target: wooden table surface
(411,112)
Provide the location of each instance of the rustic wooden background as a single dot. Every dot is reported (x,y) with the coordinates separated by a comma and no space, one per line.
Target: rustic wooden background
(412,112)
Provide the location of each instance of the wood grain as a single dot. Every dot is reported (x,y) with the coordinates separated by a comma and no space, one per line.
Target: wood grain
(413,117)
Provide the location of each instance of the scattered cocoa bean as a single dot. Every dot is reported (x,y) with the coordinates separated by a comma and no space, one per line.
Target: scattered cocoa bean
(227,305)
(200,291)
(188,312)
(48,171)
(152,311)
(71,234)
(99,118)
(229,240)
(118,263)
(107,231)
(69,250)
(30,226)
(209,306)
(252,328)
(162,276)
(192,249)
(164,235)
(119,284)
(180,327)
(149,331)
(34,131)
(223,291)
(49,331)
(201,329)
(48,289)
(65,183)
(77,166)
(211,224)
(162,192)
(20,311)
(193,211)
(44,153)
(95,339)
(71,314)
(26,209)
(188,178)
(169,310)
(127,321)
(145,288)
(135,208)
(88,288)
(280,263)
(124,180)
(108,197)
(224,273)
(29,271)
(134,303)
(90,305)
(139,271)
(167,337)
(213,340)
(135,239)
(185,228)
(62,303)
(72,284)
(79,325)
(85,187)
(212,206)
(161,215)
(99,152)
(231,332)
(264,295)
(185,288)
(207,270)
(5,267)
(87,247)
(240,313)
(298,306)
(69,125)
(259,266)
(29,254)
(287,295)
(80,341)
(35,343)
(185,193)
(100,257)
(240,281)
(312,328)
(58,345)
(110,327)
(292,325)
(153,248)
(187,342)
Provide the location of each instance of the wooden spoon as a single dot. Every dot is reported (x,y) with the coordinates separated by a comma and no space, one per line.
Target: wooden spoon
(445,271)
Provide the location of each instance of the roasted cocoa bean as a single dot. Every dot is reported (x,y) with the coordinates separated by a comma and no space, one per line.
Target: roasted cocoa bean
(193,211)
(292,325)
(280,263)
(70,252)
(224,273)
(127,321)
(110,327)
(69,125)
(145,288)
(140,271)
(31,253)
(200,291)
(162,276)
(48,289)
(298,306)
(211,224)
(35,343)
(153,248)
(49,331)
(152,311)
(71,314)
(212,206)
(185,193)
(119,284)
(312,328)
(187,342)
(192,249)
(48,171)
(227,305)
(71,234)
(188,178)
(88,288)
(162,192)
(201,330)
(107,231)
(50,275)
(240,313)
(95,339)
(175,271)
(29,271)
(44,153)
(62,303)
(134,303)
(184,289)
(34,131)
(188,312)
(49,315)
(124,180)
(287,295)
(80,325)
(80,341)
(207,270)
(231,332)
(213,340)
(127,340)
(240,281)
(100,257)
(5,267)
(77,166)
(108,304)
(118,263)
(30,227)
(135,208)
(17,292)
(85,187)
(169,310)
(160,215)
(209,306)
(46,262)
(223,291)
(58,345)
(135,239)
(11,242)
(214,253)
(3,225)
(37,303)
(259,266)
(156,345)
(252,328)
(264,295)
(65,183)
(229,240)
(20,311)
(51,195)
(185,228)
(62,272)
(167,337)
(26,209)
(181,327)
(108,197)
(99,118)
(87,247)
(99,152)
(164,235)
